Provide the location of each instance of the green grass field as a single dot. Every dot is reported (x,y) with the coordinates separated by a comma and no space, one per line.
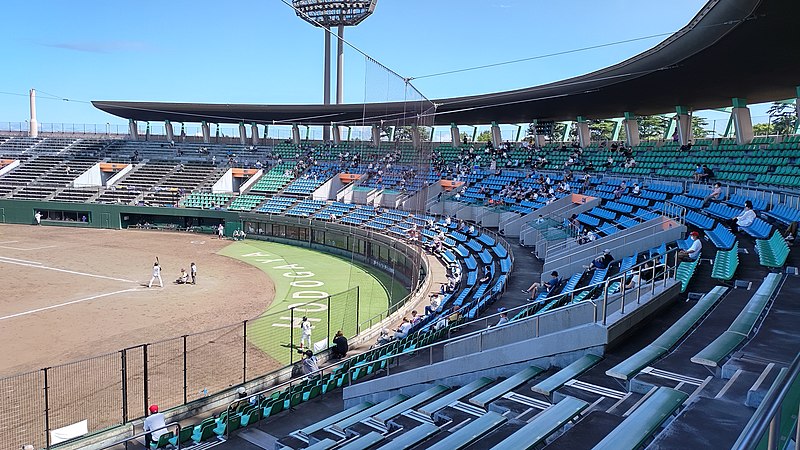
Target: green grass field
(303,280)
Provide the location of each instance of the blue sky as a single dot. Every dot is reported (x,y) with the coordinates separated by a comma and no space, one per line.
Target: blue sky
(248,51)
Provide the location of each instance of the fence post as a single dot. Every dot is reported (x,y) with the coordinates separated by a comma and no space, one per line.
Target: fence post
(185,372)
(291,336)
(123,362)
(244,351)
(146,378)
(329,318)
(46,409)
(358,306)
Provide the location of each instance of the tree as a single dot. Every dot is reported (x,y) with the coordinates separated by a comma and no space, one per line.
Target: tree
(601,130)
(464,137)
(403,133)
(699,125)
(762,129)
(783,118)
(652,127)
(484,136)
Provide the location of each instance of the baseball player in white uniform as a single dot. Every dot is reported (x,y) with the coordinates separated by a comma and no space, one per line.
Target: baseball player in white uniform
(156,275)
(305,327)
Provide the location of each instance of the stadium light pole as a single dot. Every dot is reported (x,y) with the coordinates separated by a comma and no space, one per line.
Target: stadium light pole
(328,14)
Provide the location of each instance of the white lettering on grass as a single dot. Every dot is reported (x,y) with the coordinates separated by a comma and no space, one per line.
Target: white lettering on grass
(298,274)
(306,283)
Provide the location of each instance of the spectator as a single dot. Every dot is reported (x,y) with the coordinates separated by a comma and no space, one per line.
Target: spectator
(434,304)
(698,173)
(707,172)
(548,286)
(716,192)
(503,317)
(340,345)
(636,189)
(403,329)
(745,218)
(309,362)
(601,262)
(634,281)
(154,426)
(415,318)
(791,232)
(694,250)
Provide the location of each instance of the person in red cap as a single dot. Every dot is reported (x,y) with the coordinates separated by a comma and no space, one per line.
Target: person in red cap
(693,252)
(154,424)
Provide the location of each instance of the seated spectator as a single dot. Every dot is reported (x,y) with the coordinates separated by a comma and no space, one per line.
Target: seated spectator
(601,262)
(716,192)
(634,281)
(745,218)
(434,305)
(636,189)
(698,173)
(503,317)
(415,318)
(790,233)
(309,362)
(548,286)
(707,173)
(154,426)
(340,346)
(403,329)
(487,274)
(693,253)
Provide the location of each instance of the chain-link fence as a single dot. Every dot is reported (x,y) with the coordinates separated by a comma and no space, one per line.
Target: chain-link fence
(111,389)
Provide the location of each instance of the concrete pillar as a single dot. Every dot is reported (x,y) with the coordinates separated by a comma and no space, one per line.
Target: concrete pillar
(584,136)
(254,134)
(242,134)
(631,124)
(539,140)
(415,139)
(169,130)
(683,124)
(206,128)
(295,134)
(33,125)
(326,86)
(567,130)
(133,130)
(376,136)
(616,130)
(742,121)
(340,66)
(497,137)
(337,134)
(455,136)
(797,110)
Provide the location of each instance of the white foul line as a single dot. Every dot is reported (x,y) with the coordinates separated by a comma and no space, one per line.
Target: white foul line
(7,261)
(21,260)
(27,249)
(66,303)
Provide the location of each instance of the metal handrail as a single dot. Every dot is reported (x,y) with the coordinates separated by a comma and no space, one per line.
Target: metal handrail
(144,433)
(766,419)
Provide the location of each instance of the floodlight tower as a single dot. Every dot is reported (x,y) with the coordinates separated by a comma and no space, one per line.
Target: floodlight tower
(327,14)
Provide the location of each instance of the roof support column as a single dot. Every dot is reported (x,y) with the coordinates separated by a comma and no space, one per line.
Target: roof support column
(326,80)
(797,110)
(683,121)
(376,136)
(254,133)
(206,132)
(455,136)
(631,124)
(616,130)
(33,125)
(584,136)
(133,130)
(337,134)
(497,137)
(169,130)
(242,133)
(295,134)
(742,121)
(415,139)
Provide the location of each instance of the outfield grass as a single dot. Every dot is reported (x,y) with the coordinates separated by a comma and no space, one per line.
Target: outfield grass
(303,279)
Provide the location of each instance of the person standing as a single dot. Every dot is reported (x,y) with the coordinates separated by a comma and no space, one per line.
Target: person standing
(154,424)
(193,272)
(305,336)
(156,275)
(38,217)
(221,231)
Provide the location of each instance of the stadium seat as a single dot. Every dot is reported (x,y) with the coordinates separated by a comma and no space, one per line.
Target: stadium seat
(543,425)
(772,252)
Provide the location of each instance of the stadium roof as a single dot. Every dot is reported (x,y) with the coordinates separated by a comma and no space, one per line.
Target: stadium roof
(731,48)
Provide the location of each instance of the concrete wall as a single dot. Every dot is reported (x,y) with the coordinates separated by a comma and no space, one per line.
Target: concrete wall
(225,183)
(92,177)
(557,349)
(328,189)
(624,243)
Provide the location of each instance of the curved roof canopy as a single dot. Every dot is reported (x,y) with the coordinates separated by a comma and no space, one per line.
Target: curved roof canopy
(731,48)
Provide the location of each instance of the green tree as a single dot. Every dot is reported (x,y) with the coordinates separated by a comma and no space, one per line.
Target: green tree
(699,125)
(782,118)
(652,127)
(464,137)
(484,136)
(403,134)
(762,129)
(601,130)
